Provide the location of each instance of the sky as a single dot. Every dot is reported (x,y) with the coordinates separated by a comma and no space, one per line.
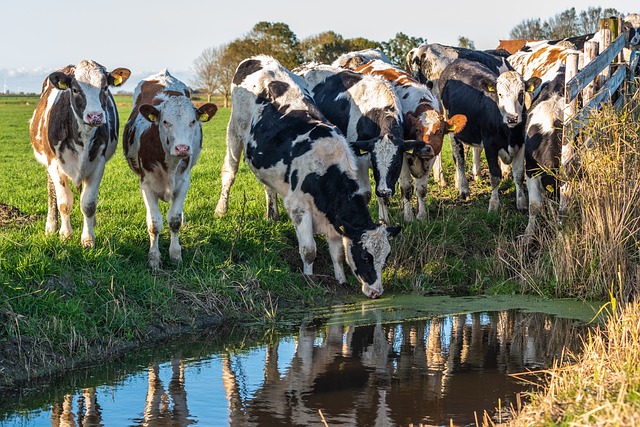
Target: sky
(40,36)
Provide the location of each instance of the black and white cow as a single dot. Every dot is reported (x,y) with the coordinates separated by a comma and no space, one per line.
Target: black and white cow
(74,131)
(295,152)
(355,59)
(495,109)
(162,142)
(543,146)
(367,111)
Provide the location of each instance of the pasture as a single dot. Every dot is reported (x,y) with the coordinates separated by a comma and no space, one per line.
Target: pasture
(64,300)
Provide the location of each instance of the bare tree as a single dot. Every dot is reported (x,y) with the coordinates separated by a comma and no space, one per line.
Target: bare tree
(204,68)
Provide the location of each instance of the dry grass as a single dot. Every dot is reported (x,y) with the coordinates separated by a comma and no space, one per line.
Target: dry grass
(595,248)
(602,388)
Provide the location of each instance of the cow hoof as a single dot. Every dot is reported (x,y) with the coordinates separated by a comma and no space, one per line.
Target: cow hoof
(464,195)
(176,258)
(88,243)
(154,263)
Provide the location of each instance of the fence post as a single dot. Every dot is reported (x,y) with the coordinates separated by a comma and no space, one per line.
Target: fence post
(590,53)
(568,150)
(605,41)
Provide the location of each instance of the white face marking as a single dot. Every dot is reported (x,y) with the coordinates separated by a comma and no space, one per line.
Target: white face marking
(91,79)
(179,126)
(510,90)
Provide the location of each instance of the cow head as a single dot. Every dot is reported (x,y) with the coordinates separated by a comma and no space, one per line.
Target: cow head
(178,123)
(386,160)
(367,251)
(631,26)
(429,127)
(514,95)
(89,88)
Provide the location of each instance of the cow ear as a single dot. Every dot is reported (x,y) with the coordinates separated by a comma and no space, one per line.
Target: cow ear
(489,85)
(347,229)
(149,112)
(206,112)
(533,83)
(60,80)
(456,123)
(118,76)
(366,146)
(394,231)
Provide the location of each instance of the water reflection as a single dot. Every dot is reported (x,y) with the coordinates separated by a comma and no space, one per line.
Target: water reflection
(420,372)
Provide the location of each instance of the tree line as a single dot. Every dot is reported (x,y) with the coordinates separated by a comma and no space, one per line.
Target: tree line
(215,67)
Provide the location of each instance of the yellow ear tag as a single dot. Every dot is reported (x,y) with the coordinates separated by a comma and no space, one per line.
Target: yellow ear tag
(549,188)
(341,229)
(153,117)
(62,86)
(204,117)
(452,128)
(491,89)
(117,81)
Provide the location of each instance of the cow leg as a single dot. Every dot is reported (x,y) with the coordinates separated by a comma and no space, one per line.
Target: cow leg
(438,172)
(421,185)
(462,184)
(302,220)
(535,203)
(273,213)
(336,250)
(154,226)
(406,189)
(64,199)
(88,203)
(229,170)
(475,168)
(175,217)
(383,209)
(517,169)
(52,213)
(364,182)
(496,178)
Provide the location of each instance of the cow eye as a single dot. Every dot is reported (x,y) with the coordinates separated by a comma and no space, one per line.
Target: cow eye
(74,90)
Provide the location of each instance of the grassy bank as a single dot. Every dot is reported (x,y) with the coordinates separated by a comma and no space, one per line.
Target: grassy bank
(62,305)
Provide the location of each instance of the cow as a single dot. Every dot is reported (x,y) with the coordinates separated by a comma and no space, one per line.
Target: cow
(162,142)
(367,111)
(426,63)
(74,132)
(543,146)
(353,60)
(422,121)
(297,153)
(495,107)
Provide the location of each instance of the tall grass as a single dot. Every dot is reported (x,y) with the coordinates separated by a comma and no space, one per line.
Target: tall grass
(594,250)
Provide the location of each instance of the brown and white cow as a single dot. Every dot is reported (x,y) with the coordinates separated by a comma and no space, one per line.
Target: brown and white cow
(422,121)
(74,131)
(297,153)
(162,142)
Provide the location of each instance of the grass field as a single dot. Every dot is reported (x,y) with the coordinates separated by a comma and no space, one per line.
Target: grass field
(63,305)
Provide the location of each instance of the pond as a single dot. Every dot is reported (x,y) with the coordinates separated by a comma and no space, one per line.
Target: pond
(361,364)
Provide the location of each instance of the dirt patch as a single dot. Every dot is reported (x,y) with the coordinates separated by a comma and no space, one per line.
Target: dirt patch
(12,216)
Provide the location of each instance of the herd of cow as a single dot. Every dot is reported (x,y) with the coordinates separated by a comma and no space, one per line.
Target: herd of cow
(311,135)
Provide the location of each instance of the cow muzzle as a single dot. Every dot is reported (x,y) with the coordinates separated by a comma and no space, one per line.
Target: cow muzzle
(511,120)
(384,193)
(182,151)
(94,118)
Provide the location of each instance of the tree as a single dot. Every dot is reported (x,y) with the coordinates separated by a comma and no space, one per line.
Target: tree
(466,43)
(324,47)
(360,43)
(528,29)
(396,48)
(204,68)
(275,39)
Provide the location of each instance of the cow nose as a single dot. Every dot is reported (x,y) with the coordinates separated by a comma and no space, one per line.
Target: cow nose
(183,150)
(512,120)
(384,193)
(95,118)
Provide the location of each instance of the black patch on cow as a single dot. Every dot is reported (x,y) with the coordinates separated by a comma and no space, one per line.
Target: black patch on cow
(363,261)
(294,180)
(325,93)
(278,88)
(368,126)
(245,69)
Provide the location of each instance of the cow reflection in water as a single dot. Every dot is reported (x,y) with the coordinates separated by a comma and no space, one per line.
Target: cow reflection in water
(89,413)
(163,406)
(391,374)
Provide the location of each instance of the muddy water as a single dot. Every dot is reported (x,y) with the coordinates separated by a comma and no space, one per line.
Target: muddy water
(357,365)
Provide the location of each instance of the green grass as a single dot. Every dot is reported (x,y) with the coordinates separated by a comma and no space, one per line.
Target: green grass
(60,302)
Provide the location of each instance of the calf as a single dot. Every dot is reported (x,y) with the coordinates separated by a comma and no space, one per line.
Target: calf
(295,152)
(543,146)
(368,113)
(421,121)
(162,142)
(74,131)
(495,109)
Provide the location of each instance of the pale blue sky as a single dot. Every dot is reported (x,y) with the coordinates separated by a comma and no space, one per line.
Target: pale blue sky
(39,36)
